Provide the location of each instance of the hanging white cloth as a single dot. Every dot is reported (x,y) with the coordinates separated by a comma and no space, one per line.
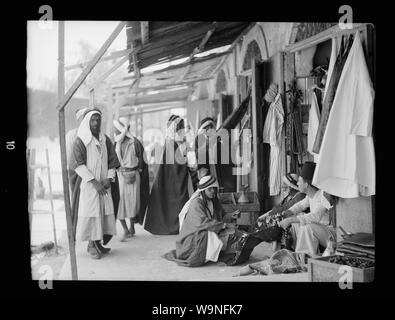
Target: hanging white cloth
(346,164)
(274,135)
(314,120)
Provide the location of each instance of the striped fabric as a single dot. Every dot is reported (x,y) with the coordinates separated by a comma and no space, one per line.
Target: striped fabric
(273,134)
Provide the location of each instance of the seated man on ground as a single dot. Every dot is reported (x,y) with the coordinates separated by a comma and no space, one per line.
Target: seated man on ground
(207,234)
(310,230)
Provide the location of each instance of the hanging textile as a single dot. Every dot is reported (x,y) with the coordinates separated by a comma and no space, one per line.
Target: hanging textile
(273,134)
(235,117)
(314,119)
(346,163)
(294,142)
(331,91)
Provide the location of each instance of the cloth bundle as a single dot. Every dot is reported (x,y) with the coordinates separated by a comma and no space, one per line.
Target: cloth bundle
(282,261)
(271,93)
(360,244)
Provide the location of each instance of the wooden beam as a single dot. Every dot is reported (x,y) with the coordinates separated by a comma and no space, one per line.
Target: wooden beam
(144,25)
(108,72)
(323,36)
(128,111)
(159,97)
(91,65)
(63,157)
(166,86)
(198,49)
(112,56)
(180,66)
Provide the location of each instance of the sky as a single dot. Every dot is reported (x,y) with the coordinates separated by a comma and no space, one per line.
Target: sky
(42,46)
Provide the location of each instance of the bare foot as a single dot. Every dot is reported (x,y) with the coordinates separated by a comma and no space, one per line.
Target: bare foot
(132,232)
(125,236)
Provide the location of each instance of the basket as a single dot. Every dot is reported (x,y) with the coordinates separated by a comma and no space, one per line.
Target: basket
(129,176)
(321,270)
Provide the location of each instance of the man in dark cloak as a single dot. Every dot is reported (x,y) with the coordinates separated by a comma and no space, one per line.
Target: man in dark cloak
(169,192)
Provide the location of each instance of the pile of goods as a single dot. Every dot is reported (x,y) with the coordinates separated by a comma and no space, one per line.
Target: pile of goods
(360,244)
(351,261)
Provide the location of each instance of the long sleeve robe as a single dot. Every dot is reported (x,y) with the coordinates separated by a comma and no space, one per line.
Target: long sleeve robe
(143,190)
(81,174)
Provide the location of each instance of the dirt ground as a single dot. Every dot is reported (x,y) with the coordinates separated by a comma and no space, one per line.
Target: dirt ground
(50,258)
(140,259)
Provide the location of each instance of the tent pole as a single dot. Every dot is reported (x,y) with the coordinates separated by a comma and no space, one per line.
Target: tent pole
(66,190)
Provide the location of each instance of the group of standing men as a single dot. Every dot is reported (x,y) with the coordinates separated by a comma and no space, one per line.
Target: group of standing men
(108,181)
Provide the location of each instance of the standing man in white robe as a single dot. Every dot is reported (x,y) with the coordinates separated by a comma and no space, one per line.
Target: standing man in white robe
(131,156)
(95,164)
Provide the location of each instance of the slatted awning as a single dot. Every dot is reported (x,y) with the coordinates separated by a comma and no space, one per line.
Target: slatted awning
(164,41)
(202,47)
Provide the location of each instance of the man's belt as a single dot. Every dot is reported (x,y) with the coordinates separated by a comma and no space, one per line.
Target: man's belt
(126,169)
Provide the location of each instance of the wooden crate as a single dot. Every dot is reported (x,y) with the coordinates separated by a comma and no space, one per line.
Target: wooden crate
(229,202)
(249,212)
(320,270)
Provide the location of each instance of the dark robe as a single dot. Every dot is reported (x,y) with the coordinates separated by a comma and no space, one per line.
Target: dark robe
(202,145)
(168,195)
(223,167)
(79,158)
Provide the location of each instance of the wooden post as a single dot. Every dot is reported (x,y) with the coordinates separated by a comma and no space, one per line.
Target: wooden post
(109,112)
(65,178)
(51,199)
(92,98)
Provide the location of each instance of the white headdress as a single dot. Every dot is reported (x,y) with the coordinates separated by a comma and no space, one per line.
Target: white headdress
(84,130)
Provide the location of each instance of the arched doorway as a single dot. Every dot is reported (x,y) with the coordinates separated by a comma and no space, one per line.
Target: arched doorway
(252,51)
(221,83)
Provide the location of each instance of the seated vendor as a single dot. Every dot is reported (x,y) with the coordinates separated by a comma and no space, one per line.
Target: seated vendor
(293,195)
(310,230)
(205,230)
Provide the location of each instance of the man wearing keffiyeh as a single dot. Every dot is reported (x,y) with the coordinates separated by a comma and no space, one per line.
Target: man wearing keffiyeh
(94,163)
(132,176)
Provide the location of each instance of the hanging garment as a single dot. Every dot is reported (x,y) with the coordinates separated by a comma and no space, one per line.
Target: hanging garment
(294,133)
(273,134)
(314,119)
(346,163)
(319,95)
(332,62)
(330,93)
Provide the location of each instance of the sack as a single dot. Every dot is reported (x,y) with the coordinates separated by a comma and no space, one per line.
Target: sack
(129,176)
